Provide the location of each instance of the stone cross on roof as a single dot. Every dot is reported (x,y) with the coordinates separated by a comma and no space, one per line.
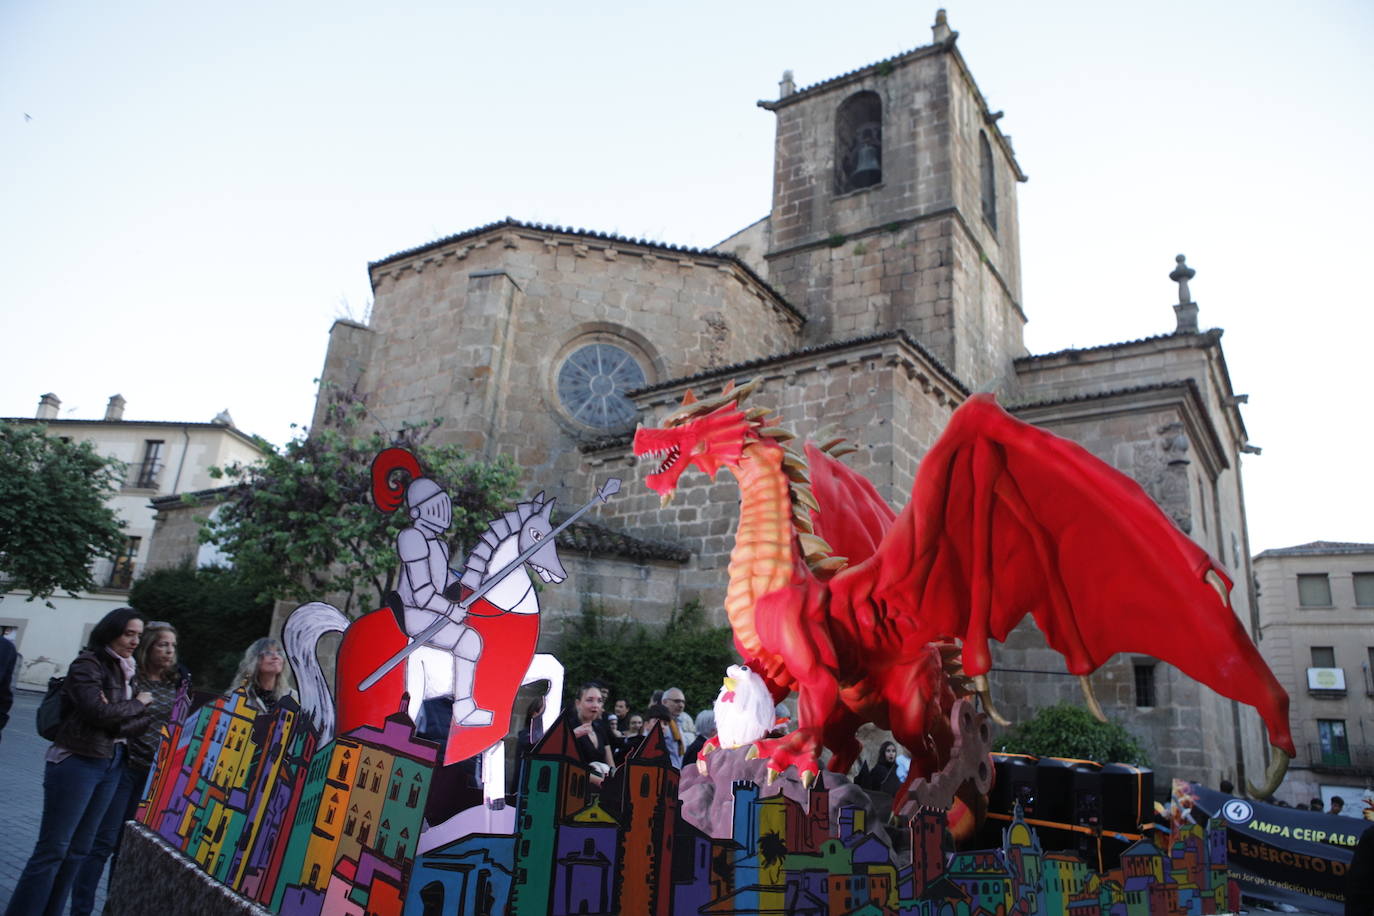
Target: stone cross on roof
(1186,310)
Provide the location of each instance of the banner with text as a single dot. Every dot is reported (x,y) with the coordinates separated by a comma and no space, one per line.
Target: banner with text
(1284,854)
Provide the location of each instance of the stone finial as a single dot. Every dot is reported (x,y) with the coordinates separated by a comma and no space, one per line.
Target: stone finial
(787,85)
(115,409)
(223,419)
(47,407)
(1186,310)
(941,30)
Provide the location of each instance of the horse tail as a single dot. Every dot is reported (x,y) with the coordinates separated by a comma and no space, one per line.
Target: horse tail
(301,635)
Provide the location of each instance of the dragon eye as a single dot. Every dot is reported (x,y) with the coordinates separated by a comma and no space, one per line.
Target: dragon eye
(536,534)
(744,668)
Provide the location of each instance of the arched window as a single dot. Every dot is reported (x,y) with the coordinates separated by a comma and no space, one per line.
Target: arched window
(988,179)
(858,142)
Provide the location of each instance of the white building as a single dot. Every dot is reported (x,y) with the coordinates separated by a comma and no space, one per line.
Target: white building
(162,458)
(1316,605)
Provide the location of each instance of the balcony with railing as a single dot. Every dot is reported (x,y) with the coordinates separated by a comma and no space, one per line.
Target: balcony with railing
(145,475)
(1348,759)
(121,573)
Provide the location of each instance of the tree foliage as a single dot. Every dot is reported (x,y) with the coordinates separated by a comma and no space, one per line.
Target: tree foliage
(634,661)
(217,612)
(302,521)
(1071,731)
(55,520)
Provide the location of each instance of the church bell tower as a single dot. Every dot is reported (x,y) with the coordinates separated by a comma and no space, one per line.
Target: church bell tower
(894,208)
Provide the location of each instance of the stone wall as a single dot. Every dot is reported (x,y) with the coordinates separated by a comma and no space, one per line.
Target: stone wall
(176,532)
(913,251)
(475,331)
(151,877)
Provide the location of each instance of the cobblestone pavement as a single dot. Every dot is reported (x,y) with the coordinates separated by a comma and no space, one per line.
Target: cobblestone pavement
(21,794)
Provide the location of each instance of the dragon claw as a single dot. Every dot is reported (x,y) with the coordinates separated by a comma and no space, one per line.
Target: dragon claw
(772,777)
(808,779)
(980,685)
(1093,706)
(752,753)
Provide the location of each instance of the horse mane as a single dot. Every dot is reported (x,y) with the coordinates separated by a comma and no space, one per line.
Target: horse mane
(500,529)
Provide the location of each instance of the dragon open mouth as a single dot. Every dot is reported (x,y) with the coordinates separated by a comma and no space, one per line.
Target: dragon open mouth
(672,453)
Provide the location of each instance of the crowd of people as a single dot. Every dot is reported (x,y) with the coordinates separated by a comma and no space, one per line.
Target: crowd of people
(606,732)
(117,695)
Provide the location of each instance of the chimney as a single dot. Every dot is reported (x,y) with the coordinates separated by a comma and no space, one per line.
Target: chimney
(787,85)
(941,31)
(47,407)
(114,411)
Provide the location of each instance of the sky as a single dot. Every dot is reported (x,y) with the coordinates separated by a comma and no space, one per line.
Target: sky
(190,195)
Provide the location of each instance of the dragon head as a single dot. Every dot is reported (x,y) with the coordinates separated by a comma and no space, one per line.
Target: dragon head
(707,434)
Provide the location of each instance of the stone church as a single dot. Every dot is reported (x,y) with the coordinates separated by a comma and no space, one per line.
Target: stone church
(882,288)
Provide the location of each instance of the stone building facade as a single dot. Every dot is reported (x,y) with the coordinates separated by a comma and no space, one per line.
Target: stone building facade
(881,289)
(1316,614)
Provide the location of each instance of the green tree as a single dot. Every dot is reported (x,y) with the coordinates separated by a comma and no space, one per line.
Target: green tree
(55,520)
(217,612)
(634,661)
(1071,731)
(302,523)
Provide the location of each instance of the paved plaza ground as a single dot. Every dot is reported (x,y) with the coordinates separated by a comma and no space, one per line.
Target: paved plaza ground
(21,794)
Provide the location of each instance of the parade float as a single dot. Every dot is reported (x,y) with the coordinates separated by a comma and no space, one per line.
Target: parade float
(862,614)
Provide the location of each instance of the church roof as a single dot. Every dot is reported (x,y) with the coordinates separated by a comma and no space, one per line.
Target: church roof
(1318,548)
(512,223)
(1186,383)
(765,361)
(1119,345)
(589,537)
(234,431)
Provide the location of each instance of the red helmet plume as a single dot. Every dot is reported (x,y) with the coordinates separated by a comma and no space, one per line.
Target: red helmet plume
(386,495)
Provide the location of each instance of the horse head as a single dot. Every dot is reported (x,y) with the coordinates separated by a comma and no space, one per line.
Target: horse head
(535,526)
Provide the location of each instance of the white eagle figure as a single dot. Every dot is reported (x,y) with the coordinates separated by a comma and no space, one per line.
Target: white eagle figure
(744,712)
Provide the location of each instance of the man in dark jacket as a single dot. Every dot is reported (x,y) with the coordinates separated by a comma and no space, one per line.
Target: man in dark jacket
(9,655)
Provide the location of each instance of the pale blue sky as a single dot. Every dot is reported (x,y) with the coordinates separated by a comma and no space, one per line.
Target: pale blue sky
(199,192)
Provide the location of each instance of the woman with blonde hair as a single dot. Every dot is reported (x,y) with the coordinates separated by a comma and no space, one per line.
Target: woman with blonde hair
(263,675)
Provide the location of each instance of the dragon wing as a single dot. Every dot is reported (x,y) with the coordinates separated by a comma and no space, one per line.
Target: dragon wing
(1007,519)
(852,518)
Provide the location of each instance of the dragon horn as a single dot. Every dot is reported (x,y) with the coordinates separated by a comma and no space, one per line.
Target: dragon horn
(1278,766)
(747,389)
(689,398)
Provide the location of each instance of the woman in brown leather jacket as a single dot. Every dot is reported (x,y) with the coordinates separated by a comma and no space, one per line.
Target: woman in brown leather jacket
(85,761)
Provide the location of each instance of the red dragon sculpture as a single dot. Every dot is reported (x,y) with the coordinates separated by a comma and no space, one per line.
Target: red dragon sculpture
(865,612)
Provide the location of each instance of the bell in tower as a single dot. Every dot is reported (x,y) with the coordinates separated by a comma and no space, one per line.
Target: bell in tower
(859,143)
(868,167)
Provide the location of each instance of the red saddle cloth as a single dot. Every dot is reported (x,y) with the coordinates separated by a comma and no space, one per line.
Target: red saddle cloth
(508,643)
